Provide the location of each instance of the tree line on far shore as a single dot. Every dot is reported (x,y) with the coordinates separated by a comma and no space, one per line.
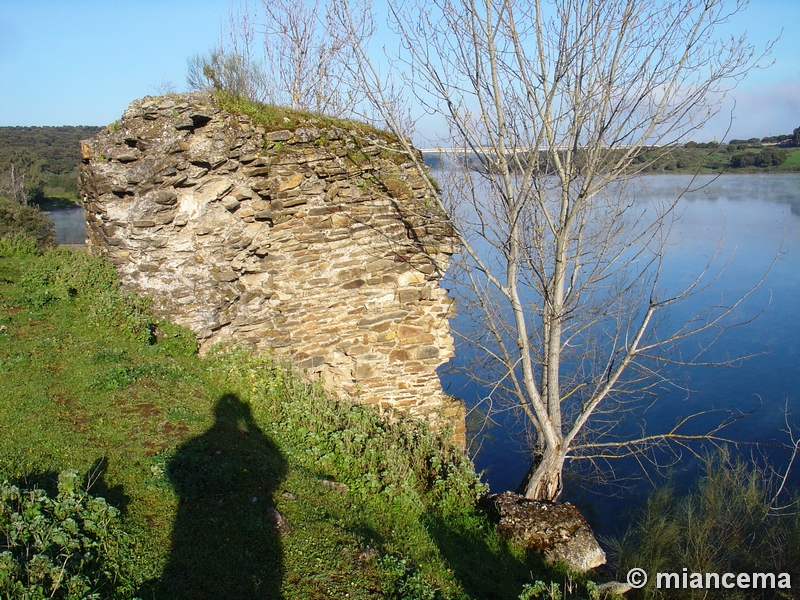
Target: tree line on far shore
(752,154)
(41,162)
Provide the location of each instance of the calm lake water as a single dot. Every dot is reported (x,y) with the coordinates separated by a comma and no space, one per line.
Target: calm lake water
(70,226)
(753,223)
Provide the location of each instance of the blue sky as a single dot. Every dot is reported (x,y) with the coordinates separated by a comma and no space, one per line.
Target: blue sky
(82,62)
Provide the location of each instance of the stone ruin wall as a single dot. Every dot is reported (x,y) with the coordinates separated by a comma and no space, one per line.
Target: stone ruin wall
(315,241)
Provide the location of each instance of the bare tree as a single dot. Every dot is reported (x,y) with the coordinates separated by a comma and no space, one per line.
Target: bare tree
(291,52)
(550,107)
(21,177)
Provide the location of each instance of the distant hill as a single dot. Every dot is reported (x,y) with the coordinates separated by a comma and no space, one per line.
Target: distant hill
(57,147)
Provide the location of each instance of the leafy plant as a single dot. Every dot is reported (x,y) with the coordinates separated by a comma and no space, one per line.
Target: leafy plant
(552,591)
(64,547)
(18,245)
(540,589)
(175,340)
(403,580)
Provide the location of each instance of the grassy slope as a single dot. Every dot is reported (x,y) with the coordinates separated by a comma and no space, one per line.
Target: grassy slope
(196,452)
(792,164)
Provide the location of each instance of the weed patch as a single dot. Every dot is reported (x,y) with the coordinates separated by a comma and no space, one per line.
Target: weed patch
(274,118)
(727,522)
(70,546)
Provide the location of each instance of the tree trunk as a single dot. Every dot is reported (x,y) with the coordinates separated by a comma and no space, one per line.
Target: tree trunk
(543,481)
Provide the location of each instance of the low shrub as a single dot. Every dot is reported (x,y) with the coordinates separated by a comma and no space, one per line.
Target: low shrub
(175,340)
(390,455)
(771,157)
(27,222)
(18,245)
(64,547)
(725,524)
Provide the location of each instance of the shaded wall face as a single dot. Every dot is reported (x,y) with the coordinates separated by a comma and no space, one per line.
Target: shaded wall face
(325,245)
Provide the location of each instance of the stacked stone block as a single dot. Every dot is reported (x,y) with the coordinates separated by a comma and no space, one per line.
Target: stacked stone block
(320,241)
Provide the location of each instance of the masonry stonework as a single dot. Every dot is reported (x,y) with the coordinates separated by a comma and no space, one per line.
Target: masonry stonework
(315,240)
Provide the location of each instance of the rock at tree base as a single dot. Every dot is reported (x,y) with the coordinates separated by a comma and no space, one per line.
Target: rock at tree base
(555,530)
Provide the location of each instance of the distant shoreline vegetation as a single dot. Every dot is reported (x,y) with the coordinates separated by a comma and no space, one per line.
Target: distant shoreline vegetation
(39,165)
(737,156)
(773,154)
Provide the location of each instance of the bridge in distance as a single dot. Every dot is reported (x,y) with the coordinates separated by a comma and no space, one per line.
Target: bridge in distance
(511,150)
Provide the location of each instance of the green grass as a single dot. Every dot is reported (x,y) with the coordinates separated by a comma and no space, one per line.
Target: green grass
(792,164)
(275,118)
(197,453)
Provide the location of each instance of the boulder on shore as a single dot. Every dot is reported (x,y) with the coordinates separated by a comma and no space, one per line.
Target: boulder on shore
(556,530)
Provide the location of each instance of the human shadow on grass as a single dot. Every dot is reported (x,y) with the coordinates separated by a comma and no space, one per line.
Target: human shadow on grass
(95,483)
(224,540)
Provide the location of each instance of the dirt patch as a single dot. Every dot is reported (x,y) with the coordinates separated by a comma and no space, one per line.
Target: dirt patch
(145,409)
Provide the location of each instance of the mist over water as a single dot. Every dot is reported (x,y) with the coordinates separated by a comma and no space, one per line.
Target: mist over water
(70,225)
